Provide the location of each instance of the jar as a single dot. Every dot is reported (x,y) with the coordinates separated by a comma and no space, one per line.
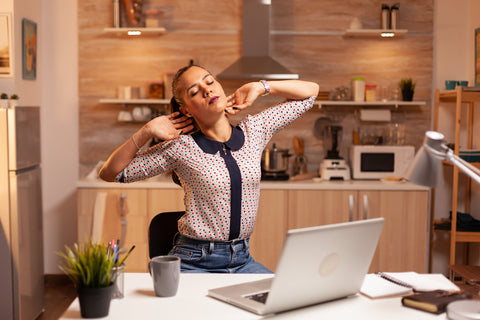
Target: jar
(358,89)
(370,90)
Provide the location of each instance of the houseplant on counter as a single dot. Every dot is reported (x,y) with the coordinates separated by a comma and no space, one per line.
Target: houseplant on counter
(93,269)
(4,100)
(14,100)
(407,86)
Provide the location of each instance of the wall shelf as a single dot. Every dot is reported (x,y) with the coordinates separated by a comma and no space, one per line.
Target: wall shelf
(132,31)
(135,101)
(394,103)
(383,33)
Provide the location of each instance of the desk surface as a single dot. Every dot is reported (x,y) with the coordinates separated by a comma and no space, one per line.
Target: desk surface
(192,302)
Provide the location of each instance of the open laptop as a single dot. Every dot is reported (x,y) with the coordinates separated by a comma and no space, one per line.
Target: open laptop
(317,264)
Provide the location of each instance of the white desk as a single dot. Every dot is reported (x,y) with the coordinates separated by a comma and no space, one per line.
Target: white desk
(191,302)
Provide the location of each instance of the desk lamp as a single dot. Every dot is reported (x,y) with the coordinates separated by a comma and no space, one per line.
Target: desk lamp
(426,167)
(426,170)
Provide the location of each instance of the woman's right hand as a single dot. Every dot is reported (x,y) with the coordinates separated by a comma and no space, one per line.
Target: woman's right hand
(170,126)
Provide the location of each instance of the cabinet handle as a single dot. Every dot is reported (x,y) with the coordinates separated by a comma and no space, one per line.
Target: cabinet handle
(351,203)
(365,206)
(123,217)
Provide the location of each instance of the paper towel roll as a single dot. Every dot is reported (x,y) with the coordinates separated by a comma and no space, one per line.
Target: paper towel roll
(375,115)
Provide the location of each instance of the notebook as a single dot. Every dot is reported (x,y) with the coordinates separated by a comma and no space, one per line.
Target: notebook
(317,264)
(391,284)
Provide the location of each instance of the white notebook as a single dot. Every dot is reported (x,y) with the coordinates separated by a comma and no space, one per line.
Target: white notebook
(394,284)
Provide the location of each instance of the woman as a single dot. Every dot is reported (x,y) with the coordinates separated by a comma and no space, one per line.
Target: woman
(218,165)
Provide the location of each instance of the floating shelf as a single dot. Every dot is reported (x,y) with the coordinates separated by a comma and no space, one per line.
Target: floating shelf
(135,31)
(383,33)
(395,103)
(135,101)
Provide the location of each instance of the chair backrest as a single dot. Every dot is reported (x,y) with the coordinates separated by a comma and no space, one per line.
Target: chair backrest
(161,231)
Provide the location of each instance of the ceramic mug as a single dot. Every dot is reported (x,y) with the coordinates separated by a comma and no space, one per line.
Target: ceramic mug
(462,83)
(450,84)
(165,272)
(124,116)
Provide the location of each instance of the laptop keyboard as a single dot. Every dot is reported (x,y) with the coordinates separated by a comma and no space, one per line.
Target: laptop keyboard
(259,297)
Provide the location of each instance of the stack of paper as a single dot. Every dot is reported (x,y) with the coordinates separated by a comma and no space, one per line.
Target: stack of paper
(391,284)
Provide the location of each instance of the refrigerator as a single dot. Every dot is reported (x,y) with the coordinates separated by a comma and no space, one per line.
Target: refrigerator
(21,235)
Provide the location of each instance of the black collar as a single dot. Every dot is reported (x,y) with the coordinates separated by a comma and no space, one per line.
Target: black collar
(211,146)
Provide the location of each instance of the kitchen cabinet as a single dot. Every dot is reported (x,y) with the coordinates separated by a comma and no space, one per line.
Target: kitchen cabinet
(458,98)
(403,243)
(282,206)
(270,228)
(124,214)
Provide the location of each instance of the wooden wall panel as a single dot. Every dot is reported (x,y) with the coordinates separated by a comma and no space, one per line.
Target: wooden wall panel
(306,37)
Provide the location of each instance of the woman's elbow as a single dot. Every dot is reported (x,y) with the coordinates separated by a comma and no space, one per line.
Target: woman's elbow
(106,176)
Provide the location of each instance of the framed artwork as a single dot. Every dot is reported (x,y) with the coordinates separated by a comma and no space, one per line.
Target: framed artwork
(29,52)
(477,57)
(6,57)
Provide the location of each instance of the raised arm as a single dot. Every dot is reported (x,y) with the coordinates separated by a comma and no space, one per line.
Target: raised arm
(164,127)
(244,96)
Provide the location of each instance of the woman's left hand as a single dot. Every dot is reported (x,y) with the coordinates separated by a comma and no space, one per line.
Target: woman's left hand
(244,97)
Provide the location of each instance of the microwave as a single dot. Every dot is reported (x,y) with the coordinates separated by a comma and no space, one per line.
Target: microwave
(380,162)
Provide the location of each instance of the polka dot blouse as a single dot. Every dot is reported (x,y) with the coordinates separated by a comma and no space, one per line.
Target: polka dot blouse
(208,171)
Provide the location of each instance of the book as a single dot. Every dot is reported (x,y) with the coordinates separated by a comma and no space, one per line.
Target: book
(433,301)
(395,284)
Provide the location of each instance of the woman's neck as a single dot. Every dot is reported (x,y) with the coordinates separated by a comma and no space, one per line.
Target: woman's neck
(220,131)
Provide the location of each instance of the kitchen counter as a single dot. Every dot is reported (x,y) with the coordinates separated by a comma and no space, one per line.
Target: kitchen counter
(308,184)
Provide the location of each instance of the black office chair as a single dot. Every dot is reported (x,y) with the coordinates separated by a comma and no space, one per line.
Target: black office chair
(161,231)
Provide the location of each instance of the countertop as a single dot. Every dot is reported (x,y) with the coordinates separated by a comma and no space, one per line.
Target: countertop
(307,184)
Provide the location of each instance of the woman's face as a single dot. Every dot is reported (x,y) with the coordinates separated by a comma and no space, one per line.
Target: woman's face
(202,94)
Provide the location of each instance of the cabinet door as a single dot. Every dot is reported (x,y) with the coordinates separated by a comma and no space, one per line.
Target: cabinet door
(116,214)
(270,228)
(308,208)
(164,200)
(403,243)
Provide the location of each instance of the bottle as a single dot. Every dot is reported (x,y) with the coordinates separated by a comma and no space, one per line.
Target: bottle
(394,15)
(385,16)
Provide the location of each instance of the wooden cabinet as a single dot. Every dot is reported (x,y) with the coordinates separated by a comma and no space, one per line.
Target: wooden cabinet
(403,243)
(457,99)
(124,214)
(270,228)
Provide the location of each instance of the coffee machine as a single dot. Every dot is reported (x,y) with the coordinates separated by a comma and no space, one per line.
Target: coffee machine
(333,167)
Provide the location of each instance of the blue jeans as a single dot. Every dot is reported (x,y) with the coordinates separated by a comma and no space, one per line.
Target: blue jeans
(215,257)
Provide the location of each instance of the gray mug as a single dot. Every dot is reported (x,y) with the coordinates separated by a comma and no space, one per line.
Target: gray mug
(165,272)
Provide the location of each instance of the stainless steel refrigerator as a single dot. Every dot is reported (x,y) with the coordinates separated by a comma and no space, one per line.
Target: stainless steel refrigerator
(21,235)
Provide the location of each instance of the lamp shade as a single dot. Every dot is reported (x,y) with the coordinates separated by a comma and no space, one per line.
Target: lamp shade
(426,169)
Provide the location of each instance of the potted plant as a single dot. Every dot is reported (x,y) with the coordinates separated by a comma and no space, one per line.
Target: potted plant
(407,86)
(93,269)
(13,100)
(4,100)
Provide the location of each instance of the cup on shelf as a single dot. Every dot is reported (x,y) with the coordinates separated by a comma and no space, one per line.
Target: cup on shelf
(125,116)
(124,92)
(462,83)
(450,84)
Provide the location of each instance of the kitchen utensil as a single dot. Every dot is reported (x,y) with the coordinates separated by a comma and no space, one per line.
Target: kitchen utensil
(300,163)
(275,160)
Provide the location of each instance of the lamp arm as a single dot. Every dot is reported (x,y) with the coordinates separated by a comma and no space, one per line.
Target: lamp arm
(463,165)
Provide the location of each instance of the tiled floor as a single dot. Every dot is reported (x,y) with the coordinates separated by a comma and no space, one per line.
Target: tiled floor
(59,293)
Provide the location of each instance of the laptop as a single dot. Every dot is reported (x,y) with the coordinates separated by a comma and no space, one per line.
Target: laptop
(317,264)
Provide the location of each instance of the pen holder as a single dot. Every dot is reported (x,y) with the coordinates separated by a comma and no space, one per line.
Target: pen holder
(118,290)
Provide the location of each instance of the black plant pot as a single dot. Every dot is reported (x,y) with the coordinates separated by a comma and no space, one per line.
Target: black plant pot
(95,302)
(407,95)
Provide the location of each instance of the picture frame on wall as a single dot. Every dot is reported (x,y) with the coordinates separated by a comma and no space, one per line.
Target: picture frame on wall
(29,49)
(477,57)
(6,56)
